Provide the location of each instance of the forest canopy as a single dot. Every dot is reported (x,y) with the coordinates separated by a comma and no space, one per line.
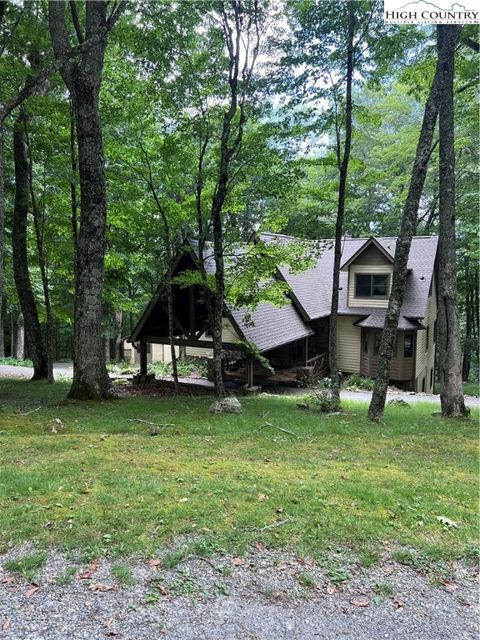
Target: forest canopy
(208,120)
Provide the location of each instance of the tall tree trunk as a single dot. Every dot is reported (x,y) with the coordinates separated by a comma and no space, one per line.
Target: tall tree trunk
(73,185)
(449,344)
(2,242)
(402,249)
(118,335)
(19,341)
(83,79)
(90,377)
(20,253)
(342,187)
(468,341)
(39,226)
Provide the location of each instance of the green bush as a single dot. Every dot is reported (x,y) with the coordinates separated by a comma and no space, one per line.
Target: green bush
(186,368)
(16,363)
(357,381)
(321,397)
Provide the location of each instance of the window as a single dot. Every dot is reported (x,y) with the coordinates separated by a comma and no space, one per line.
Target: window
(434,331)
(365,342)
(431,378)
(371,285)
(408,345)
(423,385)
(427,341)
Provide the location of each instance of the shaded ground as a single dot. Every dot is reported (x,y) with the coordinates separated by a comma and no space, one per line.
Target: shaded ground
(265,595)
(65,370)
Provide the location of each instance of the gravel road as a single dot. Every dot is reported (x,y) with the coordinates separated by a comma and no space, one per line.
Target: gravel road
(66,370)
(264,596)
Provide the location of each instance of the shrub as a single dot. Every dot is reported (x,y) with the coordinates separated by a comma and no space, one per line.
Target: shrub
(357,381)
(16,363)
(321,397)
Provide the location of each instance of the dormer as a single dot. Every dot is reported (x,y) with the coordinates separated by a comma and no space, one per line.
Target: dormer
(370,272)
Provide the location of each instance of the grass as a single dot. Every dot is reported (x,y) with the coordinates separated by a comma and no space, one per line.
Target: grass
(471,388)
(26,566)
(102,485)
(123,575)
(66,577)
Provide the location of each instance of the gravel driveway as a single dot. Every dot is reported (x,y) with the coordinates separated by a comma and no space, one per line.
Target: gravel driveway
(264,596)
(66,370)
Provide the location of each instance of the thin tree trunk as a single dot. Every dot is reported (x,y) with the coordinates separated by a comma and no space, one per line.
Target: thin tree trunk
(118,335)
(402,249)
(39,226)
(342,187)
(20,253)
(468,341)
(2,242)
(19,342)
(168,251)
(449,343)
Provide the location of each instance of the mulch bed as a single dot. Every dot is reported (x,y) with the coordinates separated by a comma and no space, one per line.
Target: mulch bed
(164,388)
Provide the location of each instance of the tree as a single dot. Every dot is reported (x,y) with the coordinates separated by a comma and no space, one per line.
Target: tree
(408,226)
(83,79)
(449,345)
(20,254)
(343,160)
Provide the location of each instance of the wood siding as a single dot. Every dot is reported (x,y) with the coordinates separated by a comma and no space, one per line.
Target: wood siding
(401,368)
(425,357)
(348,344)
(377,303)
(372,256)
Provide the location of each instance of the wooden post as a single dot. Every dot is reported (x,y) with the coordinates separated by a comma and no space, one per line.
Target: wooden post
(249,371)
(143,358)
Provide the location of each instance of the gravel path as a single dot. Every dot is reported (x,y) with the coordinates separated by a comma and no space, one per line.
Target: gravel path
(264,596)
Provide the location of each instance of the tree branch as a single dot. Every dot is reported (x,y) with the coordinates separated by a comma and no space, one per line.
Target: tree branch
(76,21)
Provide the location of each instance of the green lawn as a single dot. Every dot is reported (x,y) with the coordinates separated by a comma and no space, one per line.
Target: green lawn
(102,484)
(471,388)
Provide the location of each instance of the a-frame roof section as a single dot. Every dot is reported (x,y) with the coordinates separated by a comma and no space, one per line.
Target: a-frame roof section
(186,248)
(370,242)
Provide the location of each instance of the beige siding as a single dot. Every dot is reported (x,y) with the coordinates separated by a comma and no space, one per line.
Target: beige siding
(228,335)
(348,344)
(425,357)
(367,302)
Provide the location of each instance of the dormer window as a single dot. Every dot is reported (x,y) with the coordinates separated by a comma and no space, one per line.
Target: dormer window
(374,285)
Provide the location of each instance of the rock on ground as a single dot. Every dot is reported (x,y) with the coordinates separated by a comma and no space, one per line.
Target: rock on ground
(226,405)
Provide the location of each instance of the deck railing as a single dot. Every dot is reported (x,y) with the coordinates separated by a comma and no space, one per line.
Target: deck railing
(319,364)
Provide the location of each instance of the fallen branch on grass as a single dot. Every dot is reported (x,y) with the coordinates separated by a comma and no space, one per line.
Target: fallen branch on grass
(269,424)
(151,424)
(275,525)
(32,411)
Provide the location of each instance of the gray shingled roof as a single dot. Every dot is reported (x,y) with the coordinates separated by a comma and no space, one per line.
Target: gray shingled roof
(312,289)
(269,326)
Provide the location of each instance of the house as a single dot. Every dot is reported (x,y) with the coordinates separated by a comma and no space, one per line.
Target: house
(296,334)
